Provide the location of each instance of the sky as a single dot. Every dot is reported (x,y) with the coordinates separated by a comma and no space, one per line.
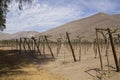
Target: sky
(43,15)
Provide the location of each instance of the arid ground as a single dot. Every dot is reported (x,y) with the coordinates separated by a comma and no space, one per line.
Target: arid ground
(16,66)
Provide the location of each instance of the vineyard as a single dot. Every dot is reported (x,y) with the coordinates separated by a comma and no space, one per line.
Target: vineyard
(103,53)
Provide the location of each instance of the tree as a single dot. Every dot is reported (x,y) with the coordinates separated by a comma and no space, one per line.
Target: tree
(4,4)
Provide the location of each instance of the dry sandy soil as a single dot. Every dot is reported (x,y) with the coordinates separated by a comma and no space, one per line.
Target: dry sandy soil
(15,66)
(22,67)
(86,69)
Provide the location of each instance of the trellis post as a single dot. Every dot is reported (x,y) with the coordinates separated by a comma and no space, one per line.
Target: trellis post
(101,64)
(71,46)
(49,46)
(113,50)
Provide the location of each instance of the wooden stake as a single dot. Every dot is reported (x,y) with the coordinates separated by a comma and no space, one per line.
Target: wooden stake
(80,48)
(16,42)
(43,44)
(58,45)
(24,43)
(37,45)
(107,46)
(119,62)
(101,64)
(20,45)
(113,49)
(29,48)
(71,46)
(49,46)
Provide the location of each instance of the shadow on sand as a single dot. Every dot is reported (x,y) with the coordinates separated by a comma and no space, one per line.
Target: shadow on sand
(11,61)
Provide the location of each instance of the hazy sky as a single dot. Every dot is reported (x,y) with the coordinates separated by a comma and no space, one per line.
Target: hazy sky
(43,15)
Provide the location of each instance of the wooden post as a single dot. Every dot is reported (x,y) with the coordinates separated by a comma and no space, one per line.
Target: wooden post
(119,62)
(113,49)
(80,52)
(95,48)
(49,46)
(37,45)
(58,45)
(71,46)
(107,46)
(101,64)
(27,43)
(44,48)
(16,43)
(32,45)
(24,46)
(20,45)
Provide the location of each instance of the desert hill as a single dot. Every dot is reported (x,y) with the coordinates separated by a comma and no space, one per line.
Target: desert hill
(4,36)
(86,26)
(27,34)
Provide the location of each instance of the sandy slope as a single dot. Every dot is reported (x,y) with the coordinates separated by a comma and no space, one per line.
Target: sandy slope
(86,26)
